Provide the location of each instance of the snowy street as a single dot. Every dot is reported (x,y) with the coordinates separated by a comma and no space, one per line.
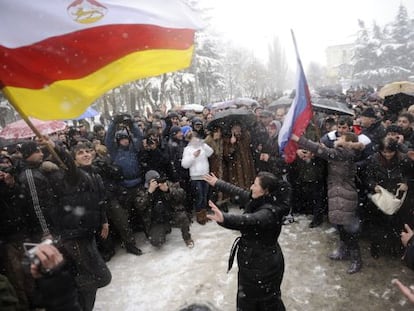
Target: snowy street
(174,276)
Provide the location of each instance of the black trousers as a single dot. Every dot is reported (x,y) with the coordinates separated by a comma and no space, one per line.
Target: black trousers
(88,268)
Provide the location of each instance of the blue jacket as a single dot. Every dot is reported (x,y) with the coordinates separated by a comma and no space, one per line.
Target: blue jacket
(127,158)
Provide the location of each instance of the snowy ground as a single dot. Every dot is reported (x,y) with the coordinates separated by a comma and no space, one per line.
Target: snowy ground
(174,276)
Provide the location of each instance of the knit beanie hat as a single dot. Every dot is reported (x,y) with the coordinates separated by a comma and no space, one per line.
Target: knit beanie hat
(185,129)
(150,175)
(174,130)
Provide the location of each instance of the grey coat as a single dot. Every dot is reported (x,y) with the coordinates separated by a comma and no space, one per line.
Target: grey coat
(342,192)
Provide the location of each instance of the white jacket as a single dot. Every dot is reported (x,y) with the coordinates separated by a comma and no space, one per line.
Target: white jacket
(198,166)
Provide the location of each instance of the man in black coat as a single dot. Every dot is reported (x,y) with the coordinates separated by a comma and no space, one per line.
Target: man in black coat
(13,231)
(260,141)
(373,129)
(80,213)
(153,157)
(175,149)
(37,191)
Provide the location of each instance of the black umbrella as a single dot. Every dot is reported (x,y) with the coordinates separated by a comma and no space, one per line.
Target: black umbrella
(331,106)
(226,118)
(246,102)
(326,105)
(397,102)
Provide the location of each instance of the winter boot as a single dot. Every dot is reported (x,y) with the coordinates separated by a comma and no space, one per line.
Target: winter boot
(356,261)
(201,217)
(132,249)
(341,253)
(189,243)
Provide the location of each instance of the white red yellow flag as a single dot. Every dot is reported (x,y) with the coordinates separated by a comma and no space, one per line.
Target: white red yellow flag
(58,56)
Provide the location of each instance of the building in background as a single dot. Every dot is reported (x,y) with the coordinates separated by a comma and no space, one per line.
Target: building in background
(338,63)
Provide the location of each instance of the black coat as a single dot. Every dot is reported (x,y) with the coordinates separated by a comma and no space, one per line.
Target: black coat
(260,144)
(388,174)
(82,200)
(45,196)
(156,160)
(13,215)
(175,150)
(259,256)
(376,132)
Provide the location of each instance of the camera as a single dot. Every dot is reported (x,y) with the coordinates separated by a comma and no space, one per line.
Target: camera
(123,118)
(30,257)
(150,142)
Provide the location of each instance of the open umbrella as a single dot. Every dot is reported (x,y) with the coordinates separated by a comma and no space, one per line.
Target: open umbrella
(331,106)
(228,117)
(192,107)
(20,129)
(326,105)
(394,88)
(397,102)
(284,101)
(223,105)
(244,101)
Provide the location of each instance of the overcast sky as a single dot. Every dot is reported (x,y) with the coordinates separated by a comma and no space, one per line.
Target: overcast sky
(316,23)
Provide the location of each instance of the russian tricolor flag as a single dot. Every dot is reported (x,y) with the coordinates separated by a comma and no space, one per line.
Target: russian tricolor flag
(299,115)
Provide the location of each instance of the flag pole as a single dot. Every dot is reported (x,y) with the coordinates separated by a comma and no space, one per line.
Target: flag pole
(37,133)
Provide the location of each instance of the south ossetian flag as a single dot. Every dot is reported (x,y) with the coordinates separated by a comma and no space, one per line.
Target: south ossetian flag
(299,115)
(58,56)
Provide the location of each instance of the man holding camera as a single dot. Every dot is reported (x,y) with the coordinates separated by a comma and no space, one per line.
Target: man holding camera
(163,204)
(13,231)
(123,141)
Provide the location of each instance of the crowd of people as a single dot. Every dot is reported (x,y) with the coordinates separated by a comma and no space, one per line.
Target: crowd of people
(88,190)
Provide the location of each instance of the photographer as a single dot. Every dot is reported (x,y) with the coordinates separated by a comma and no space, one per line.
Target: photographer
(163,208)
(123,141)
(13,231)
(55,286)
(152,157)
